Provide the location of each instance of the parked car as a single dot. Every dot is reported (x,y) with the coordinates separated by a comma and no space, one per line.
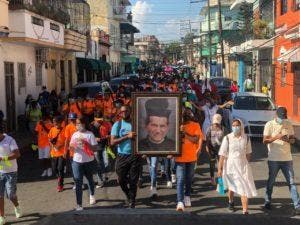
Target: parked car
(223,85)
(87,89)
(117,81)
(254,110)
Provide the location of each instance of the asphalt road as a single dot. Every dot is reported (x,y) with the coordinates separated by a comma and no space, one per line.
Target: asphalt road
(41,203)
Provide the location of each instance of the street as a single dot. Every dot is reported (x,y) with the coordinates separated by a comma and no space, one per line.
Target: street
(39,199)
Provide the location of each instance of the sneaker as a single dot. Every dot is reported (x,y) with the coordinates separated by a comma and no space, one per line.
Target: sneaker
(18,212)
(49,172)
(100,184)
(74,187)
(187,201)
(246,213)
(78,208)
(44,173)
(297,211)
(132,204)
(169,184)
(268,205)
(60,188)
(153,192)
(2,220)
(173,178)
(180,207)
(231,206)
(92,200)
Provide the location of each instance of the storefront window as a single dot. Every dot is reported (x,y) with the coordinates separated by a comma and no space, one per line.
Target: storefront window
(283,7)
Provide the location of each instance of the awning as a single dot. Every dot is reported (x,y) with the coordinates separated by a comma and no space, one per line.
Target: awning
(293,55)
(86,63)
(128,28)
(103,65)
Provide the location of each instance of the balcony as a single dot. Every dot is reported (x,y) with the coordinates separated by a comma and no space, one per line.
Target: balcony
(119,13)
(55,10)
(31,28)
(75,41)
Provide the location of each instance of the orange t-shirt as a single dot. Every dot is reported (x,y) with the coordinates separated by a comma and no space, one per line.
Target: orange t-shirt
(76,109)
(108,108)
(60,143)
(43,140)
(190,149)
(89,107)
(69,131)
(65,108)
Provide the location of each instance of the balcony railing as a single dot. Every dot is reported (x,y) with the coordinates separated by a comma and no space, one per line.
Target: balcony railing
(55,9)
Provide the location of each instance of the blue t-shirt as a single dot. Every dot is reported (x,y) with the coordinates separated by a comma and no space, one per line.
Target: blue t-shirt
(125,146)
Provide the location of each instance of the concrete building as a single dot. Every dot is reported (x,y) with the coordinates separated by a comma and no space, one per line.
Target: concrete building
(147,48)
(36,49)
(287,57)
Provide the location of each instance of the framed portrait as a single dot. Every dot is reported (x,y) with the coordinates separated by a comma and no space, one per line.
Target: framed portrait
(156,121)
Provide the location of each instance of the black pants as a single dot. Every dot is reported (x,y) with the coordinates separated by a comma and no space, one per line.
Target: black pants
(213,157)
(128,172)
(58,166)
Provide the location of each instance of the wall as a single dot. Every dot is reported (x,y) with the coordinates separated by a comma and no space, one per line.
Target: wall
(4,13)
(19,54)
(282,93)
(21,26)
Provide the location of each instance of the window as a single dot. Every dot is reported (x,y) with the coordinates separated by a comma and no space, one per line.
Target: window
(37,21)
(54,26)
(283,7)
(21,76)
(38,74)
(283,75)
(296,5)
(227,18)
(253,103)
(38,55)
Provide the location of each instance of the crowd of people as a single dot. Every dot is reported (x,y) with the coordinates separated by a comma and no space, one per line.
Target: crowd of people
(95,136)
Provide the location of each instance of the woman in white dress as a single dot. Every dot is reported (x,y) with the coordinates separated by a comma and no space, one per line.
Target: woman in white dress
(235,153)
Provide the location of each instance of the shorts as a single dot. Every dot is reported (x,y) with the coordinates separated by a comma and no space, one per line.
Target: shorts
(8,185)
(44,153)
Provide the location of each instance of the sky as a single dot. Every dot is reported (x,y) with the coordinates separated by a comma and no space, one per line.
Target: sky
(166,19)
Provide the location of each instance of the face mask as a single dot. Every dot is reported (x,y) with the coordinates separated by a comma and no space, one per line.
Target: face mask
(96,124)
(236,130)
(184,99)
(189,91)
(208,104)
(121,95)
(279,120)
(80,128)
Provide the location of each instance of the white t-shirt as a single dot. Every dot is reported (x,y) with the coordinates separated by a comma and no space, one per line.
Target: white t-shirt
(76,141)
(7,146)
(279,150)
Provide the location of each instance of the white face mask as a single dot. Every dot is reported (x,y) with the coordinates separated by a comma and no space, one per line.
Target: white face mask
(208,104)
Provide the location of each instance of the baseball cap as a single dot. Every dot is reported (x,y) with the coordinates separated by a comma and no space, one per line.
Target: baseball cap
(281,112)
(72,116)
(217,118)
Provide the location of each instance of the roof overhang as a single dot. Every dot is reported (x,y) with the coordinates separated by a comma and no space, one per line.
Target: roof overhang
(128,28)
(293,55)
(238,3)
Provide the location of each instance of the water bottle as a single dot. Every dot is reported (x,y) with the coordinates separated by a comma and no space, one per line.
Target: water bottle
(221,186)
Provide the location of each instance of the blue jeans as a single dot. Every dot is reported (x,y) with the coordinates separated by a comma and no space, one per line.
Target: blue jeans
(80,170)
(184,174)
(8,185)
(287,169)
(170,168)
(153,170)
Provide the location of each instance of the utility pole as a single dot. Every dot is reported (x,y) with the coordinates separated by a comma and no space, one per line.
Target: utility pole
(221,36)
(209,35)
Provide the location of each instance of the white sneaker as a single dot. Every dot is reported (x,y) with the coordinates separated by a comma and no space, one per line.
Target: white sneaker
(153,192)
(78,208)
(169,184)
(180,206)
(92,200)
(74,187)
(173,178)
(187,201)
(44,173)
(2,220)
(49,172)
(18,212)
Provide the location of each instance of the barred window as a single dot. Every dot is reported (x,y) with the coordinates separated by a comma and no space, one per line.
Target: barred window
(21,76)
(39,74)
(54,26)
(37,21)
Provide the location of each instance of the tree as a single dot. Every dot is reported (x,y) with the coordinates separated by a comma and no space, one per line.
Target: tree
(246,20)
(173,51)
